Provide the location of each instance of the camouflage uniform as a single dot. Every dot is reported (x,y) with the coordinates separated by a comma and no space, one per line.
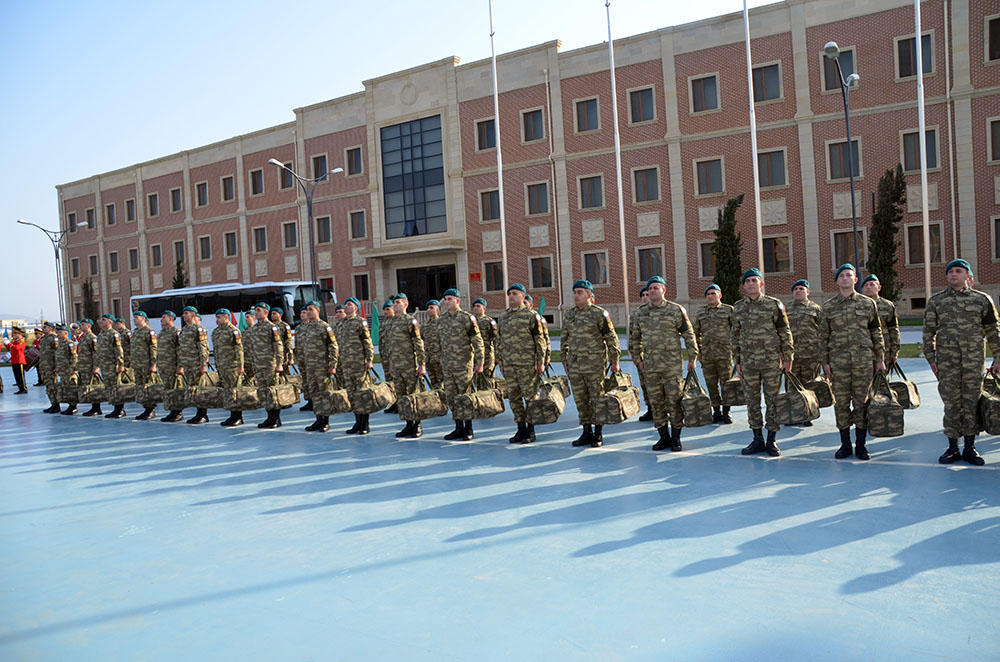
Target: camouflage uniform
(385,347)
(227,347)
(66,368)
(634,352)
(460,334)
(805,320)
(166,354)
(267,353)
(588,342)
(890,328)
(126,337)
(321,350)
(520,344)
(248,350)
(356,352)
(761,338)
(488,330)
(302,338)
(851,344)
(407,353)
(713,328)
(432,345)
(658,333)
(143,347)
(110,356)
(47,367)
(86,356)
(192,351)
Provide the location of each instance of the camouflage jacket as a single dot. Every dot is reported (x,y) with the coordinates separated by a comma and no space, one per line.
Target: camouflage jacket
(713,328)
(432,339)
(287,341)
(850,326)
(87,353)
(805,320)
(192,350)
(488,330)
(166,351)
(957,322)
(460,334)
(144,348)
(520,338)
(110,355)
(658,333)
(319,346)
(890,327)
(47,354)
(355,343)
(761,335)
(227,347)
(66,358)
(267,352)
(405,342)
(589,340)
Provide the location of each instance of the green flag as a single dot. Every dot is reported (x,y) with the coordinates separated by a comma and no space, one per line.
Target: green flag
(541,306)
(374,324)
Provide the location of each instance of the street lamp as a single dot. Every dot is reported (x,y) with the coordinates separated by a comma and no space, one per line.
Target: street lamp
(832,51)
(308,187)
(56,237)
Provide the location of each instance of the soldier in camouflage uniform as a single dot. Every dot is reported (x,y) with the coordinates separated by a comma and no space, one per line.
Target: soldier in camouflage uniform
(111,359)
(306,325)
(762,348)
(227,347)
(460,334)
(871,287)
(546,342)
(956,322)
(267,358)
(251,322)
(521,357)
(659,327)
(322,352)
(432,343)
(287,336)
(355,358)
(851,346)
(86,359)
(192,355)
(488,330)
(713,327)
(643,302)
(47,367)
(588,343)
(805,318)
(126,335)
(66,369)
(144,350)
(409,358)
(385,349)
(167,347)
(338,315)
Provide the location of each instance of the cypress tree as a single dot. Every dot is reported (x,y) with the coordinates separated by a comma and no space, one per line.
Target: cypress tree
(90,308)
(883,242)
(726,251)
(180,277)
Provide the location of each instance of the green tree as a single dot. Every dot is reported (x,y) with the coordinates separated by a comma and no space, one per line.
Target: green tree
(883,242)
(90,307)
(180,277)
(726,251)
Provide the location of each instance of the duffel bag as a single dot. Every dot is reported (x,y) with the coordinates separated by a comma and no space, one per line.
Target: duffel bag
(989,405)
(695,403)
(242,397)
(280,394)
(294,377)
(69,389)
(153,391)
(176,397)
(905,390)
(93,392)
(547,404)
(206,394)
(616,406)
(480,400)
(378,395)
(823,389)
(732,391)
(885,414)
(426,403)
(122,391)
(499,381)
(796,404)
(561,380)
(616,380)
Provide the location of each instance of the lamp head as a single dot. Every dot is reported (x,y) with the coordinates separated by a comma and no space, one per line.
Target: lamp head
(831,49)
(853,79)
(334,171)
(276,162)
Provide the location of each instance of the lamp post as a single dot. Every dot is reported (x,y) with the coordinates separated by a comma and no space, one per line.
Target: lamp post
(308,187)
(832,51)
(56,237)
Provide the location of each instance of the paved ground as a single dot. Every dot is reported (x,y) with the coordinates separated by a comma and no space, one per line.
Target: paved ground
(146,541)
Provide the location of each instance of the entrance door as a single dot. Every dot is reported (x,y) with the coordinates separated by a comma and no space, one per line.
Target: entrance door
(423,283)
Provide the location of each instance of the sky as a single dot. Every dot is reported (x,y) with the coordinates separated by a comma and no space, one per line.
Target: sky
(96,86)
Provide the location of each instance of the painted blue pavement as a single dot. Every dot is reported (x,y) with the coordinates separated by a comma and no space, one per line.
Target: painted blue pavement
(148,541)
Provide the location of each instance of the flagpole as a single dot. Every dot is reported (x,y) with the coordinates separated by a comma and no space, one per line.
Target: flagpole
(753,140)
(618,160)
(922,141)
(496,132)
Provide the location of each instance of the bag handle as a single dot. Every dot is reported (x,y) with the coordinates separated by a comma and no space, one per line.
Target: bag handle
(480,379)
(794,381)
(95,379)
(692,383)
(879,382)
(898,370)
(371,371)
(990,383)
(179,381)
(203,379)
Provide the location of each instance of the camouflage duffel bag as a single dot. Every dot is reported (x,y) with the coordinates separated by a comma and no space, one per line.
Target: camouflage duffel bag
(695,403)
(123,390)
(547,404)
(426,403)
(732,391)
(176,397)
(280,394)
(616,406)
(69,390)
(905,390)
(885,414)
(378,395)
(796,404)
(294,377)
(205,394)
(153,391)
(243,397)
(989,405)
(331,398)
(616,380)
(93,392)
(499,382)
(823,389)
(480,400)
(561,380)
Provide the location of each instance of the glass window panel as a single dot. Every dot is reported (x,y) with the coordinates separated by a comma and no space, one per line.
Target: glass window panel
(596,268)
(650,263)
(915,243)
(705,93)
(538,198)
(771,168)
(646,185)
(777,258)
(541,272)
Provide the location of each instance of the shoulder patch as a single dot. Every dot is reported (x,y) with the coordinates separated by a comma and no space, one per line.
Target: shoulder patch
(328,329)
(606,314)
(781,306)
(364,323)
(414,322)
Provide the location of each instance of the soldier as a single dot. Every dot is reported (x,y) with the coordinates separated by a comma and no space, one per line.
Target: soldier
(385,348)
(460,334)
(227,346)
(409,358)
(47,367)
(488,330)
(643,302)
(86,359)
(432,343)
(287,336)
(111,359)
(355,358)
(713,327)
(851,344)
(871,287)
(192,355)
(338,314)
(546,342)
(956,321)
(167,347)
(521,357)
(805,318)
(322,352)
(126,335)
(251,322)
(267,357)
(306,324)
(659,328)
(66,368)
(144,349)
(762,348)
(588,343)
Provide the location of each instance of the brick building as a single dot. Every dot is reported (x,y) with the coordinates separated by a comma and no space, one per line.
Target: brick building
(416,208)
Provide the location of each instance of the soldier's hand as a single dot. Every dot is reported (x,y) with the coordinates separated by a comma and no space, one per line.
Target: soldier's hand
(96,371)
(368,366)
(934,369)
(421,370)
(995,368)
(241,371)
(332,371)
(786,366)
(692,364)
(479,368)
(204,369)
(739,370)
(880,366)
(828,371)
(279,369)
(540,369)
(121,369)
(153,369)
(615,367)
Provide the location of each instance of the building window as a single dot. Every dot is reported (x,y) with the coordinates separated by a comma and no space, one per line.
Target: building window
(705,93)
(92,263)
(840,164)
(153,204)
(156,255)
(915,243)
(906,55)
(538,198)
(176,202)
(994,140)
(323,230)
(109,214)
(494,276)
(259,240)
(595,267)
(179,252)
(358,227)
(78,307)
(201,194)
(843,248)
(353,159)
(257,182)
(771,168)
(71,221)
(641,108)
(289,232)
(361,287)
(587,118)
(591,192)
(319,166)
(130,209)
(228,189)
(706,268)
(650,263)
(91,221)
(710,177)
(541,272)
(74,267)
(767,83)
(133,259)
(205,248)
(116,307)
(486,134)
(777,255)
(531,122)
(229,239)
(285,176)
(413,178)
(993,38)
(911,150)
(996,238)
(831,81)
(489,201)
(647,187)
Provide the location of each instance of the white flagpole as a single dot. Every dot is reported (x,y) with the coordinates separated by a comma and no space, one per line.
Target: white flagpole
(496,132)
(922,140)
(618,160)
(753,140)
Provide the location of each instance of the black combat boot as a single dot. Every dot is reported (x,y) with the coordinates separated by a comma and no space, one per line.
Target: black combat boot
(970,454)
(586,438)
(200,416)
(529,435)
(95,410)
(324,424)
(457,433)
(392,409)
(406,431)
(664,442)
(648,416)
(716,415)
(522,430)
(726,418)
(147,414)
(806,424)
(952,454)
(417,431)
(860,452)
(69,410)
(117,412)
(755,446)
(771,448)
(272,421)
(53,409)
(308,406)
(467,434)
(845,449)
(172,417)
(675,440)
(235,419)
(315,425)
(364,425)
(598,440)
(357,425)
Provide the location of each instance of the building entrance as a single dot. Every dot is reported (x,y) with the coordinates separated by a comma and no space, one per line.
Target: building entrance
(423,283)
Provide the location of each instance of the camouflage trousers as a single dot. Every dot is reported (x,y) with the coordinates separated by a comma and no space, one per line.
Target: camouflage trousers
(435,371)
(52,390)
(587,386)
(645,390)
(456,382)
(142,378)
(405,381)
(352,376)
(717,370)
(805,366)
(520,381)
(852,376)
(960,379)
(665,398)
(308,381)
(227,378)
(69,394)
(755,379)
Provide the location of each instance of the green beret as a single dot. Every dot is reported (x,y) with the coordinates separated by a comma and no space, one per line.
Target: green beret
(387,304)
(104,316)
(314,303)
(264,306)
(656,279)
(223,311)
(583,285)
(527,297)
(433,302)
(190,309)
(959,263)
(752,271)
(518,287)
(172,314)
(62,327)
(480,300)
(277,310)
(869,277)
(645,288)
(51,325)
(401,295)
(452,292)
(711,287)
(353,300)
(804,283)
(119,320)
(339,306)
(140,313)
(87,320)
(844,267)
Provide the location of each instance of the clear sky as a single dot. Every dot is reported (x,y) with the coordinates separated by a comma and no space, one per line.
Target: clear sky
(89,87)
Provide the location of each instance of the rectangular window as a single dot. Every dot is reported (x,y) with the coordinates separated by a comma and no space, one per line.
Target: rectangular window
(228,189)
(176,202)
(490,203)
(78,307)
(915,243)
(996,239)
(156,255)
(287,181)
(133,259)
(771,168)
(647,187)
(92,263)
(843,248)
(91,221)
(766,83)
(109,214)
(777,255)
(531,120)
(710,177)
(993,39)
(538,198)
(995,140)
(413,178)
(641,105)
(231,246)
(201,194)
(74,267)
(289,233)
(358,227)
(705,93)
(257,182)
(595,268)
(354,161)
(591,192)
(841,165)
(906,50)
(586,115)
(319,166)
(541,272)
(650,263)
(259,240)
(707,259)
(116,307)
(486,134)
(179,253)
(130,209)
(323,230)
(831,81)
(361,287)
(911,150)
(205,247)
(71,221)
(494,276)
(153,204)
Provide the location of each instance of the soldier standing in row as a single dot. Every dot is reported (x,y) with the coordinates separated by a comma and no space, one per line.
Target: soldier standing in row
(713,327)
(762,348)
(267,357)
(521,357)
(408,358)
(305,327)
(322,352)
(144,353)
(851,345)
(111,359)
(432,343)
(355,357)
(251,322)
(659,328)
(870,287)
(287,336)
(546,342)
(86,359)
(338,315)
(385,348)
(227,346)
(488,330)
(47,367)
(192,355)
(956,322)
(588,343)
(126,336)
(66,369)
(805,318)
(167,347)
(636,359)
(460,334)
